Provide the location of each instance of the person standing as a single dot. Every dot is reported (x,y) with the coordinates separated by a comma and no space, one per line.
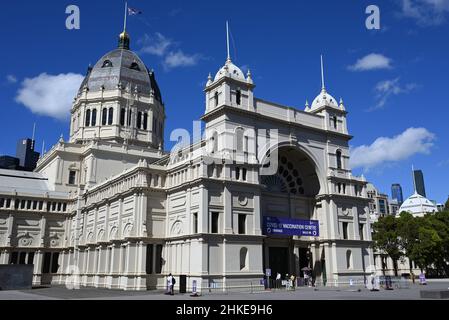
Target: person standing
(278,281)
(292,279)
(171,284)
(306,278)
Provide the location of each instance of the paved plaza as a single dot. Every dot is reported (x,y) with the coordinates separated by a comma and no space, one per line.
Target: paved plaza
(61,293)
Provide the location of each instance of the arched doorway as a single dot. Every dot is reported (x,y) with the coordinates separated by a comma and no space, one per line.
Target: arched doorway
(290,194)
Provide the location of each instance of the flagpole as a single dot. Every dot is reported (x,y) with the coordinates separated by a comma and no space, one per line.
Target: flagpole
(323,86)
(227,41)
(126,15)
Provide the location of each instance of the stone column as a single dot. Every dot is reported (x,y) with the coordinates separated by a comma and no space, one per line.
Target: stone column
(355,216)
(4,257)
(257,214)
(37,272)
(228,214)
(330,263)
(140,281)
(203,213)
(332,220)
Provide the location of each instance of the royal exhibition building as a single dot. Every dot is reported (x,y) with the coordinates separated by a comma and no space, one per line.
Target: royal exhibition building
(266,186)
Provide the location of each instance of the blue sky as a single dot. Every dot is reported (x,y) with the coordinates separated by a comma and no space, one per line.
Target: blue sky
(394,81)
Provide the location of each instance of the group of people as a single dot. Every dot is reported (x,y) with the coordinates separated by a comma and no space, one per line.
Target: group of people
(290,281)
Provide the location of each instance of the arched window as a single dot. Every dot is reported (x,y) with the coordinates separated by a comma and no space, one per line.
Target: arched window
(94,117)
(239,139)
(104,116)
(87,118)
(216,99)
(134,66)
(334,121)
(145,121)
(339,163)
(139,120)
(239,97)
(111,116)
(243,259)
(107,64)
(130,113)
(349,259)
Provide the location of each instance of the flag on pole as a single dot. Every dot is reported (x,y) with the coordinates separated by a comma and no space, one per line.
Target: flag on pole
(134,11)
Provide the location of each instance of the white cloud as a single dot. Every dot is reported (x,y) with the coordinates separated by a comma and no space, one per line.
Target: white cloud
(373,61)
(166,49)
(180,59)
(388,88)
(156,45)
(388,150)
(426,12)
(10,78)
(50,95)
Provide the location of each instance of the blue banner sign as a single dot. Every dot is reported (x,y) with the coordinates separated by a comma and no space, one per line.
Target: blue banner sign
(291,227)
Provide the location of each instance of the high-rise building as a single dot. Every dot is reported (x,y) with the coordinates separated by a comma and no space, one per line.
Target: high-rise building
(418,180)
(27,156)
(8,162)
(396,193)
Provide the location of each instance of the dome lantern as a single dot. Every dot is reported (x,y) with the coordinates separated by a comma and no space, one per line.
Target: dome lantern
(124,41)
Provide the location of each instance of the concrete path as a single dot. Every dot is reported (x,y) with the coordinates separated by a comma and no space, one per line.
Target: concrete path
(61,293)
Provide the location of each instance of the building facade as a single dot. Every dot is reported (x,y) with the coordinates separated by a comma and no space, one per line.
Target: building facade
(378,204)
(109,208)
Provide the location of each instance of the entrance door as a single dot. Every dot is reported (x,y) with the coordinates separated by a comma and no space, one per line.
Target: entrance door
(303,261)
(279,261)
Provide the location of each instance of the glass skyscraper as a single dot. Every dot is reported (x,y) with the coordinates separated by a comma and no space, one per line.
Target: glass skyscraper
(418,179)
(396,193)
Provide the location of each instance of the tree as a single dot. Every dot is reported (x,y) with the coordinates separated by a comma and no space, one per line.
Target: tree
(386,239)
(440,223)
(446,206)
(425,250)
(424,240)
(430,250)
(408,232)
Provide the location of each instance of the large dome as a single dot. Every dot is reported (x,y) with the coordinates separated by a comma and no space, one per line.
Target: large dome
(418,205)
(122,67)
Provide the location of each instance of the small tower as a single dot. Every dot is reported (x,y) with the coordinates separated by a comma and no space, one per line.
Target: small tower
(229,87)
(326,105)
